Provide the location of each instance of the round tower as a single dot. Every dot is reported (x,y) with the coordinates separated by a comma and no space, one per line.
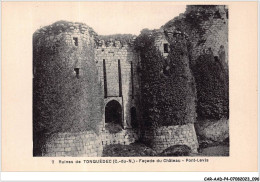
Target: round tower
(67,96)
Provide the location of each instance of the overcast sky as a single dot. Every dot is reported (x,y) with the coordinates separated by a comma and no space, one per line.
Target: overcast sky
(108,17)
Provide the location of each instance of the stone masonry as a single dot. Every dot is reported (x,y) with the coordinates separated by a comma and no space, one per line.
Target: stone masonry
(87,144)
(73,144)
(123,88)
(164,137)
(125,137)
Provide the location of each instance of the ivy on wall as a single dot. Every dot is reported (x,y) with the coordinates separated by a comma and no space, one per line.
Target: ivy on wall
(62,100)
(168,97)
(212,85)
(210,73)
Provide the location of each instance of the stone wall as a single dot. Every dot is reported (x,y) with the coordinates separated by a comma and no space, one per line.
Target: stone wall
(87,144)
(164,137)
(78,144)
(124,137)
(159,42)
(112,52)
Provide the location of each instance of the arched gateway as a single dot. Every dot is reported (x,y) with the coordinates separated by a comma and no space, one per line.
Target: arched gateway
(113,112)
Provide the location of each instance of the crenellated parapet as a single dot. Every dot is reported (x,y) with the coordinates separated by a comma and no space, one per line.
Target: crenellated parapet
(115,43)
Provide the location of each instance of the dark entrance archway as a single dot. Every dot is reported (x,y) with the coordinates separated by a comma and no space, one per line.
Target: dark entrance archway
(113,112)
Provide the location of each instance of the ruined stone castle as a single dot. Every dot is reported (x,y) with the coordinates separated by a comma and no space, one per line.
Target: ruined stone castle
(83,83)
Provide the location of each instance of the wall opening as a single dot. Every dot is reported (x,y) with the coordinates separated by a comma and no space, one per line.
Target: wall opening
(77,72)
(166,48)
(75,39)
(113,112)
(133,118)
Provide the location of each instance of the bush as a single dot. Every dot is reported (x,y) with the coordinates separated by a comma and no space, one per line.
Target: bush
(177,150)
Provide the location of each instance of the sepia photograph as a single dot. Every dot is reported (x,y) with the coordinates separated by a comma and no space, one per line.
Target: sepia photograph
(161,92)
(129,87)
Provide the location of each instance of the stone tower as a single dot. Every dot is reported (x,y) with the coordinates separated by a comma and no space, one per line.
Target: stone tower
(67,95)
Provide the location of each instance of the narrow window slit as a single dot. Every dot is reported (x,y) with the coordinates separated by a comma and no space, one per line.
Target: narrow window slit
(77,72)
(166,48)
(75,39)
